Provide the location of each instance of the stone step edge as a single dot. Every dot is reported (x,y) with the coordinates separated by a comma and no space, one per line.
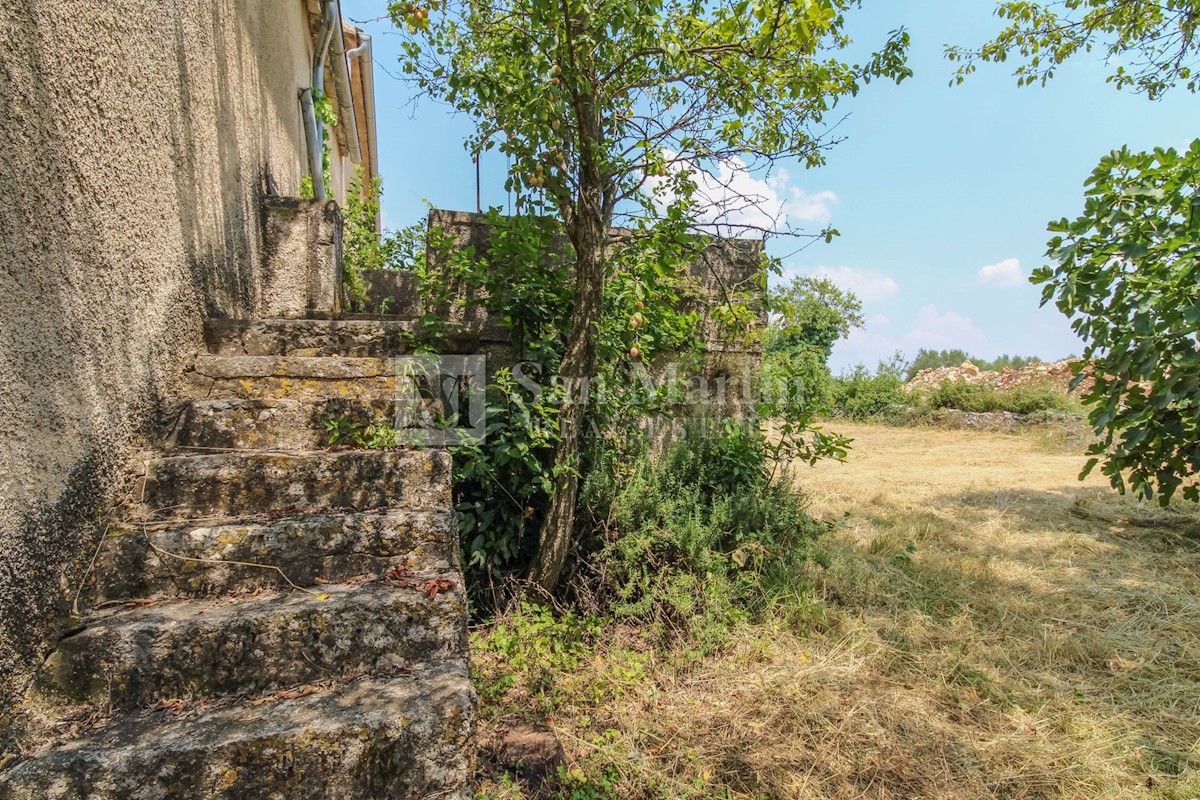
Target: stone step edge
(137,525)
(271,715)
(156,494)
(237,604)
(282,424)
(437,601)
(190,560)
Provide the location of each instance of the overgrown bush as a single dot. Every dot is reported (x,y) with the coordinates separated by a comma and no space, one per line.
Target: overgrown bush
(862,394)
(974,397)
(364,248)
(698,537)
(503,483)
(798,381)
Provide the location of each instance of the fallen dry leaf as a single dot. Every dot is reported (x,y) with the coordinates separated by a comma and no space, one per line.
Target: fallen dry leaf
(431,588)
(173,706)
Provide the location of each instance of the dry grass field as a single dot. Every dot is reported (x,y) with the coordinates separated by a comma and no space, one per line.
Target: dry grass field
(1004,630)
(984,626)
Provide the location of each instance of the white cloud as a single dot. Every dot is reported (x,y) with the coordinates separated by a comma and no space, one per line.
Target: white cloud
(943,331)
(877,341)
(798,205)
(1006,273)
(870,344)
(733,197)
(869,284)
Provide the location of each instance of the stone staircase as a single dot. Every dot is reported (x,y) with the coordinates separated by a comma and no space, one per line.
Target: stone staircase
(271,619)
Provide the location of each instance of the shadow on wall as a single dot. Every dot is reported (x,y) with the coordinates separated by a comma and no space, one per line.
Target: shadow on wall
(139,135)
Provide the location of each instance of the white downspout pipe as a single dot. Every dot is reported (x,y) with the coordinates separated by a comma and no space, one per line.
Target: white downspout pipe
(341,75)
(366,71)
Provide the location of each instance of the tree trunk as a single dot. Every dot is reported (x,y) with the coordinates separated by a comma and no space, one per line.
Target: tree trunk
(588,236)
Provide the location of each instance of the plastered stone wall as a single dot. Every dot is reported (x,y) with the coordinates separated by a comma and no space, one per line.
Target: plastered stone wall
(137,138)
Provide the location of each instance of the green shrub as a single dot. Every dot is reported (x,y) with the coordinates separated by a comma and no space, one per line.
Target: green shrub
(700,536)
(531,646)
(862,394)
(981,398)
(503,484)
(364,248)
(798,380)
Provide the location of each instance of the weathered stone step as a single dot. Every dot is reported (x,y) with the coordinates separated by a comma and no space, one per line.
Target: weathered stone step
(199,561)
(361,338)
(290,377)
(225,485)
(270,424)
(132,658)
(402,738)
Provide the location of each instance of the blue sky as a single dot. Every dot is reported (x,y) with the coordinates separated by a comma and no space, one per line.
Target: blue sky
(941,194)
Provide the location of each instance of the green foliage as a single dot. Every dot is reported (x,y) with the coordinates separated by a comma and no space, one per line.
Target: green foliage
(365,248)
(346,432)
(932,359)
(327,119)
(525,283)
(362,246)
(532,647)
(811,313)
(651,296)
(700,536)
(807,317)
(1151,45)
(590,99)
(574,785)
(799,381)
(1128,273)
(1126,269)
(982,398)
(502,485)
(862,394)
(565,87)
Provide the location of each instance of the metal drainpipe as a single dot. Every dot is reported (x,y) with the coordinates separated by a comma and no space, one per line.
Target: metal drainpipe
(314,129)
(366,70)
(341,75)
(312,135)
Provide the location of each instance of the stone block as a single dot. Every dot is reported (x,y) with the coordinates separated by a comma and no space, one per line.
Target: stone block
(211,560)
(392,293)
(302,258)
